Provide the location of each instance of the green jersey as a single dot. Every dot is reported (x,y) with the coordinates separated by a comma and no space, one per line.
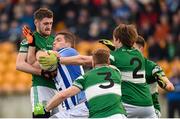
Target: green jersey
(131,63)
(152,68)
(40,44)
(102,86)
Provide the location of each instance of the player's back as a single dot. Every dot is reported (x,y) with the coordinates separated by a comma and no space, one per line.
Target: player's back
(66,75)
(102,87)
(131,63)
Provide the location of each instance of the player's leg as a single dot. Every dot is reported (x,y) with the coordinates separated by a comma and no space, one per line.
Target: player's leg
(79,111)
(139,111)
(40,95)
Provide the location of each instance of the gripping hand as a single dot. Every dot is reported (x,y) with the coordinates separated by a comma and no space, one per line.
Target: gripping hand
(108,43)
(49,60)
(28,35)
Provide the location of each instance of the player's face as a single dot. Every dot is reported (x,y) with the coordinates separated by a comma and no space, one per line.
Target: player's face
(59,42)
(44,26)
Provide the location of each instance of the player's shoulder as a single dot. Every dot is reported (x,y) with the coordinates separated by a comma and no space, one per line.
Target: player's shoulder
(150,62)
(68,51)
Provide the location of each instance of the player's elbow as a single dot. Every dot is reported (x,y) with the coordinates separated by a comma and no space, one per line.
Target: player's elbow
(19,65)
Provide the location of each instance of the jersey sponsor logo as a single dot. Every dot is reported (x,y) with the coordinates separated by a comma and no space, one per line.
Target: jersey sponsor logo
(128,76)
(95,90)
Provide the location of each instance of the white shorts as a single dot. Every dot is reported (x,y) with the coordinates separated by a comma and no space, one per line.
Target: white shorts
(42,94)
(117,116)
(139,111)
(79,111)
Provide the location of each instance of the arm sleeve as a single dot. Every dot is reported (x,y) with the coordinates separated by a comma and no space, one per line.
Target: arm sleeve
(79,82)
(23,46)
(112,58)
(158,70)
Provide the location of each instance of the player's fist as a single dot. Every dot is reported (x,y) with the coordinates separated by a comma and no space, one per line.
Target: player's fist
(28,35)
(108,43)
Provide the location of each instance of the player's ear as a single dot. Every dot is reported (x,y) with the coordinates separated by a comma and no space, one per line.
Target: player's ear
(109,61)
(35,22)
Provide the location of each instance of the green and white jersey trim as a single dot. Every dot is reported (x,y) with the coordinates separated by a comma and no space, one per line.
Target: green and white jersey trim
(128,76)
(157,69)
(95,90)
(153,87)
(112,57)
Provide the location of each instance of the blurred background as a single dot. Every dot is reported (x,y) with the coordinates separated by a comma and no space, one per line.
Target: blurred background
(158,21)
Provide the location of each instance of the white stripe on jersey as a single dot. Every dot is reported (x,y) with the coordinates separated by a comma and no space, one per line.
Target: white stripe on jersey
(153,87)
(128,76)
(61,84)
(95,90)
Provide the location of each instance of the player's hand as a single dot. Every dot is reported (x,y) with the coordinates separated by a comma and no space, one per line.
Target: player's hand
(158,113)
(108,43)
(28,35)
(49,74)
(40,110)
(49,60)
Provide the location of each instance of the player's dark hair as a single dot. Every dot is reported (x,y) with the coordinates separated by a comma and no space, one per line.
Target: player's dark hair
(43,13)
(140,41)
(68,36)
(101,56)
(126,34)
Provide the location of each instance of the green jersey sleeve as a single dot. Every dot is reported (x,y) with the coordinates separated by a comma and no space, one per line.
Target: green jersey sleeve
(79,82)
(112,58)
(151,70)
(24,46)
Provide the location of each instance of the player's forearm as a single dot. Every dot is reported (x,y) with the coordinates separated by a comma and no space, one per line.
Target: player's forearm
(164,83)
(61,96)
(25,67)
(76,60)
(36,65)
(54,102)
(22,65)
(169,85)
(31,57)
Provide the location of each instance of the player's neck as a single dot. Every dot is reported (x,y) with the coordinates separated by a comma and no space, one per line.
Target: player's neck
(100,65)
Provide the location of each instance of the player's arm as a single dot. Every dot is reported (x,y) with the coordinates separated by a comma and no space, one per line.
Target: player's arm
(76,60)
(162,80)
(22,65)
(31,57)
(54,58)
(61,96)
(164,83)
